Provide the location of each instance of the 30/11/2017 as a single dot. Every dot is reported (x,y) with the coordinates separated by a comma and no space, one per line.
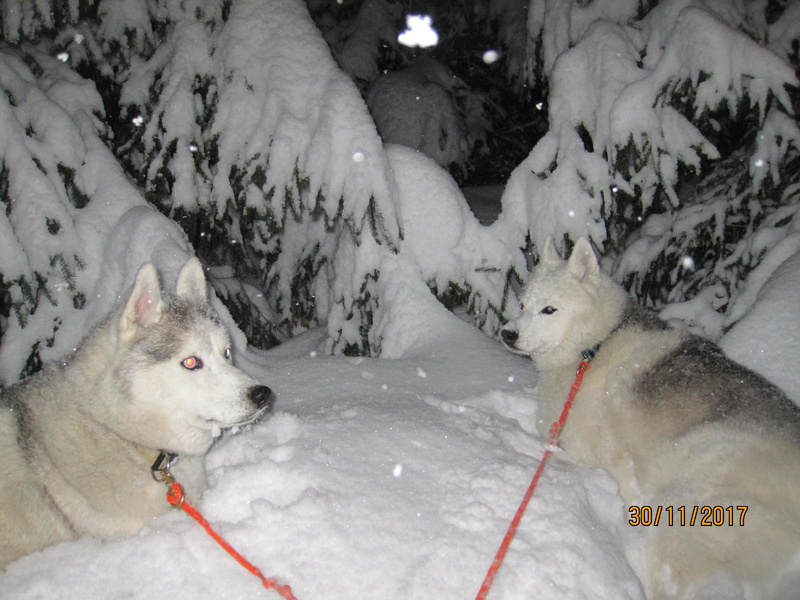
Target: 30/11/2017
(682,516)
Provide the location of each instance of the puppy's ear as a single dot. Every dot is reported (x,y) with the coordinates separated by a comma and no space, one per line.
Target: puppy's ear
(192,282)
(549,255)
(144,306)
(583,261)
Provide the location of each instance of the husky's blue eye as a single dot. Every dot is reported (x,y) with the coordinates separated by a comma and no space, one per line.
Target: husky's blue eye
(549,310)
(192,363)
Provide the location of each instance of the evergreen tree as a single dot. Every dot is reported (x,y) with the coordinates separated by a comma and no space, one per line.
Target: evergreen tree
(464,101)
(672,143)
(673,140)
(42,151)
(253,141)
(234,121)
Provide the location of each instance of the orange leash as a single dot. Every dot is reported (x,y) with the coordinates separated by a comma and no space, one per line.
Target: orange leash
(176,498)
(555,431)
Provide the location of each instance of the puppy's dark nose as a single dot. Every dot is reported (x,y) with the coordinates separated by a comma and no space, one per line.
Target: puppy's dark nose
(509,336)
(259,395)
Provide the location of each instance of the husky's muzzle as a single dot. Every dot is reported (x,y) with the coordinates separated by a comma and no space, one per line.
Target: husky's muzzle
(260,396)
(509,337)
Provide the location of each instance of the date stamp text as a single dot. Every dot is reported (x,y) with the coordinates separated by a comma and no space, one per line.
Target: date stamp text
(687,516)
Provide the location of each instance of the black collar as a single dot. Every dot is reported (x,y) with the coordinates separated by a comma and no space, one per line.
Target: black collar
(589,353)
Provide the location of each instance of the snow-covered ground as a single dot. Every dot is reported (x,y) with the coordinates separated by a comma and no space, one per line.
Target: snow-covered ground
(374,478)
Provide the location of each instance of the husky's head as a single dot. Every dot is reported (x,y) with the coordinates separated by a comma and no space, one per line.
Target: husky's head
(173,367)
(565,307)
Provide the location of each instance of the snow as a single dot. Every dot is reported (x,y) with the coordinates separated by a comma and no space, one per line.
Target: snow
(417,107)
(769,332)
(430,198)
(622,82)
(250,124)
(357,45)
(391,477)
(446,242)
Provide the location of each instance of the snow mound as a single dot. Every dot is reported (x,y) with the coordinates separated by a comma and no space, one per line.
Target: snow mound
(767,337)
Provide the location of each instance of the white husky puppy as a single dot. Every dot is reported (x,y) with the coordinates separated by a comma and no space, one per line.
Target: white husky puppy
(77,440)
(696,442)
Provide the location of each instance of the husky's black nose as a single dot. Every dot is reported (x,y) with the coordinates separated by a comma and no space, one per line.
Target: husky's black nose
(259,395)
(509,336)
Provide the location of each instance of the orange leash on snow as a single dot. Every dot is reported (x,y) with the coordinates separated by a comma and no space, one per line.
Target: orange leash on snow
(555,431)
(176,498)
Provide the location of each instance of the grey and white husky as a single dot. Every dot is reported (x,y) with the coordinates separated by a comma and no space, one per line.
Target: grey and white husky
(77,441)
(697,443)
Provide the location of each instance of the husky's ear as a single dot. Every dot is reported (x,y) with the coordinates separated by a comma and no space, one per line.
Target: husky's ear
(549,254)
(583,261)
(192,282)
(144,305)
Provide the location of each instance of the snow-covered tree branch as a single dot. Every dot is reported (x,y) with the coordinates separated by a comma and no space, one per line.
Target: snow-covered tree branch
(254,141)
(655,111)
(672,142)
(235,122)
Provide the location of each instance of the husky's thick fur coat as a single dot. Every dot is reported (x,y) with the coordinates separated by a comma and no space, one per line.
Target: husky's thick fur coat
(677,424)
(77,440)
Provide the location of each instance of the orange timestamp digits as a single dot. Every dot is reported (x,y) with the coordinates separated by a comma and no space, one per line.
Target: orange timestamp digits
(704,516)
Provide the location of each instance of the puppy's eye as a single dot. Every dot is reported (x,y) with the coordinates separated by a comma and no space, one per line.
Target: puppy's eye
(549,310)
(227,354)
(192,363)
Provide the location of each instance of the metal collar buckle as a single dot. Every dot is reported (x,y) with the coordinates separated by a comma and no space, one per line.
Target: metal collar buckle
(160,470)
